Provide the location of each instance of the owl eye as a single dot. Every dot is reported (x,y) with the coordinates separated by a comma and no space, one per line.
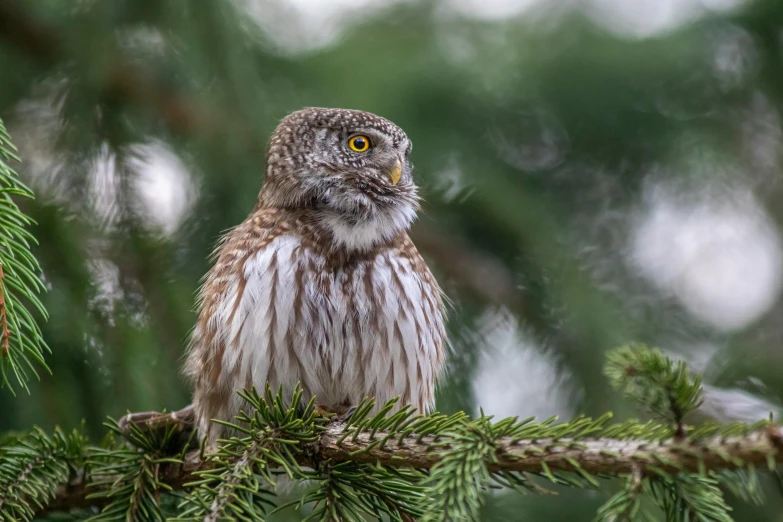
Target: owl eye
(359,143)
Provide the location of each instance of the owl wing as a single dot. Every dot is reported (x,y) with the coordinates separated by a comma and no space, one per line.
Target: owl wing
(429,315)
(216,364)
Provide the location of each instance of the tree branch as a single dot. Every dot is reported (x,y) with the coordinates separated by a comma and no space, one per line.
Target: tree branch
(594,456)
(613,456)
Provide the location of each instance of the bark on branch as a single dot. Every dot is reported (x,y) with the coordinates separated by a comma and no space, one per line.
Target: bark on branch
(594,456)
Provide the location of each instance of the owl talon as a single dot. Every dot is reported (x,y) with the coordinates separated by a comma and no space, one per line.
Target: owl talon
(348,414)
(178,426)
(184,419)
(323,411)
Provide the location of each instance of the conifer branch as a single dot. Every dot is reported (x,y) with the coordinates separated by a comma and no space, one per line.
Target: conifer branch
(32,468)
(407,466)
(597,456)
(21,342)
(600,456)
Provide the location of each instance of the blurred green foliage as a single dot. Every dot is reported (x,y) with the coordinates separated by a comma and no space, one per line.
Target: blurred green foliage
(536,140)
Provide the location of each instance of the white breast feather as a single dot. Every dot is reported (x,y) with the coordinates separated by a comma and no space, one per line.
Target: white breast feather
(332,334)
(380,226)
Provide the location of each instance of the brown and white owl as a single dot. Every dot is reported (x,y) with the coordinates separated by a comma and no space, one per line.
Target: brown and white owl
(321,284)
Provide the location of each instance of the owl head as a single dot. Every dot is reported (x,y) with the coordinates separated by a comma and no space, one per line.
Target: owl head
(351,167)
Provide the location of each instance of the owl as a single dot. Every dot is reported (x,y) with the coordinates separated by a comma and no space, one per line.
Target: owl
(321,285)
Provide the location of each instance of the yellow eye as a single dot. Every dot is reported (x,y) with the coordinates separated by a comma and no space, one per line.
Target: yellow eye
(359,143)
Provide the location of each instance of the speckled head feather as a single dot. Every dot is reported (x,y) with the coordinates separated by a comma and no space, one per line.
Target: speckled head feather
(299,124)
(310,164)
(321,284)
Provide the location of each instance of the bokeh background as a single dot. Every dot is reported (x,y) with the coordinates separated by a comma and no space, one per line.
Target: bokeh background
(595,172)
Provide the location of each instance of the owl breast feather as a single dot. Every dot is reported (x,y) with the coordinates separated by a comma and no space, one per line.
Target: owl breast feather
(369,328)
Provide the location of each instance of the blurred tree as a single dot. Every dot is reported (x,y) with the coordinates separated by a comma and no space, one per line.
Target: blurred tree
(584,187)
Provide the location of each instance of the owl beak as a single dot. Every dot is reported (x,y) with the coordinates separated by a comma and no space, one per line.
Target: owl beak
(396,172)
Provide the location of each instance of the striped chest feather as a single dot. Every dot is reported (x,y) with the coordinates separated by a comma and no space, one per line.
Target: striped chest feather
(366,327)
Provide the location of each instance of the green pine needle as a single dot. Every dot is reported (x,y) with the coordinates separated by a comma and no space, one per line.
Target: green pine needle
(21,344)
(33,466)
(458,481)
(241,483)
(690,498)
(349,491)
(126,473)
(625,505)
(664,388)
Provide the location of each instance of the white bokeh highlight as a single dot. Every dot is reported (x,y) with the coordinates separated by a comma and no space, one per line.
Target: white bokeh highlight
(632,18)
(298,26)
(736,405)
(719,254)
(160,188)
(494,9)
(163,190)
(648,18)
(164,186)
(107,291)
(516,375)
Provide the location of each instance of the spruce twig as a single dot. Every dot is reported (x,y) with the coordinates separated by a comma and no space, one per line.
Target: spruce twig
(661,386)
(33,467)
(21,342)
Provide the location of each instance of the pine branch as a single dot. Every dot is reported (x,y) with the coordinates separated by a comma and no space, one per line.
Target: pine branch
(600,456)
(664,388)
(32,467)
(21,342)
(385,465)
(407,466)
